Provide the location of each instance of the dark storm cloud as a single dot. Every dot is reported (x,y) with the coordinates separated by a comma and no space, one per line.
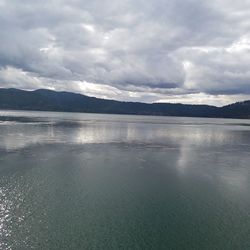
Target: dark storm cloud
(144,48)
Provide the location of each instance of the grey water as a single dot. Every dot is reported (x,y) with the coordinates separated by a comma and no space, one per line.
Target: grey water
(89,181)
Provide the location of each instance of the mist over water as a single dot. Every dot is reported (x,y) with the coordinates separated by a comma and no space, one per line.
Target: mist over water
(87,181)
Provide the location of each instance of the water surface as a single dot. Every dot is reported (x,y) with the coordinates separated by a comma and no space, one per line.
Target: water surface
(86,181)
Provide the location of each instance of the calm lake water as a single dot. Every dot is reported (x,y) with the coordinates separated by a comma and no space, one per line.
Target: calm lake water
(87,181)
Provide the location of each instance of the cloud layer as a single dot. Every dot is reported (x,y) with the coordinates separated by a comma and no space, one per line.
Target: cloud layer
(179,51)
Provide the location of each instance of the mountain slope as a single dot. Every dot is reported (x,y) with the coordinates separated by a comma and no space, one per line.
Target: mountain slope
(236,110)
(48,100)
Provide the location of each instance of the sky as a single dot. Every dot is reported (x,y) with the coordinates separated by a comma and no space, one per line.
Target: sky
(179,51)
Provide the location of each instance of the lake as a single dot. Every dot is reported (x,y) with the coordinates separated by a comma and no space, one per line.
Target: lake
(93,181)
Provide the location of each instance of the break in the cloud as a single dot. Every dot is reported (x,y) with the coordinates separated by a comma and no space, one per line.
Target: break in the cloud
(188,51)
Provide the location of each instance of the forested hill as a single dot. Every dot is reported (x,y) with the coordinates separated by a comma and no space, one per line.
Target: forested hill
(48,100)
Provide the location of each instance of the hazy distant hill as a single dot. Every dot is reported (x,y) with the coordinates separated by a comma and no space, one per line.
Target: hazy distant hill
(48,100)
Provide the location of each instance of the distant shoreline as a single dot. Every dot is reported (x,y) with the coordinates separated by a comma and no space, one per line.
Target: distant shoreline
(51,101)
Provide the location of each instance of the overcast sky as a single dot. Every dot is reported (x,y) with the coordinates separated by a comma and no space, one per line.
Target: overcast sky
(189,51)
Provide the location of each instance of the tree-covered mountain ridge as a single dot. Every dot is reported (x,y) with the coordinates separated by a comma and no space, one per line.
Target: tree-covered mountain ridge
(49,100)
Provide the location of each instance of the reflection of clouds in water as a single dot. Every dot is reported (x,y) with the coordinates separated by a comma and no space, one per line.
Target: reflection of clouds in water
(106,133)
(90,128)
(90,134)
(205,136)
(215,156)
(192,140)
(19,136)
(184,157)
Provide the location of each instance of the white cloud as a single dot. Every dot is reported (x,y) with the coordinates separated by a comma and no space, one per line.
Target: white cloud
(128,50)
